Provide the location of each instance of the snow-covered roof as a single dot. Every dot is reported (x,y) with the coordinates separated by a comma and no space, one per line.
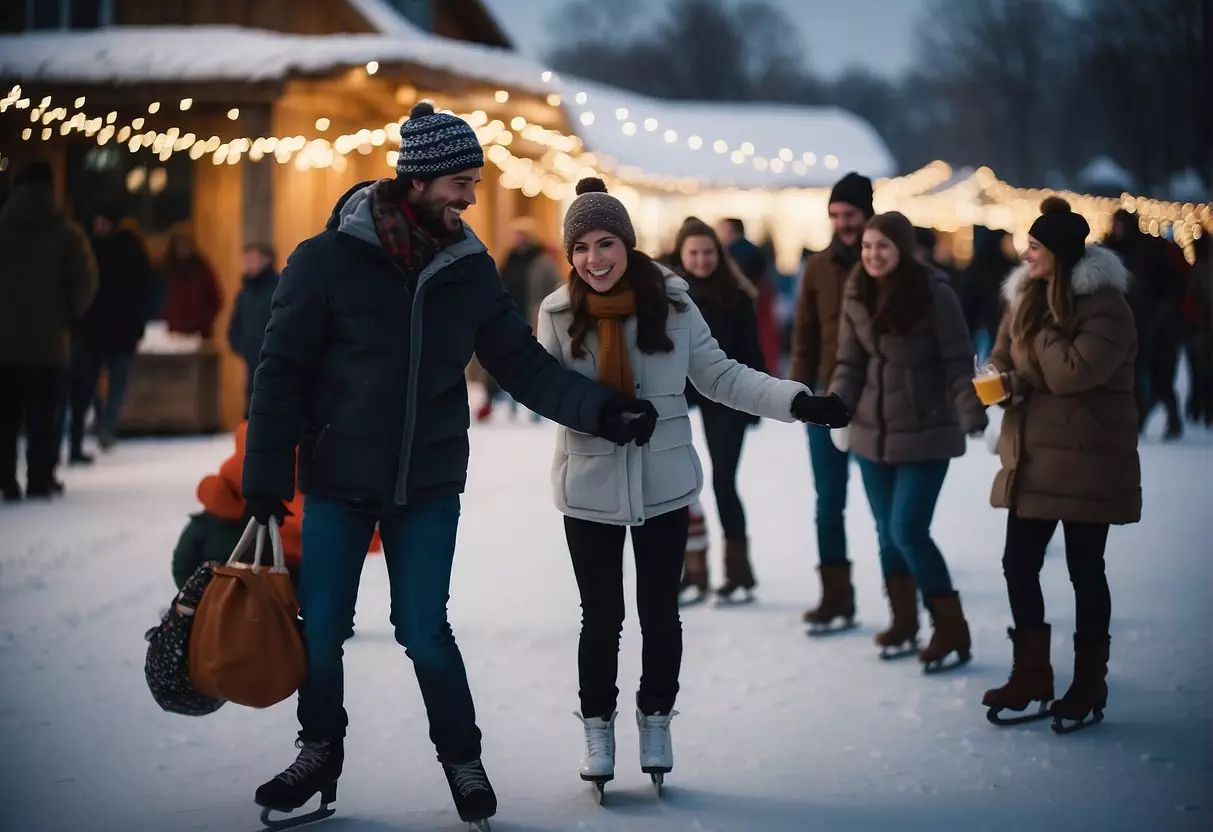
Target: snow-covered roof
(165,54)
(1103,170)
(792,146)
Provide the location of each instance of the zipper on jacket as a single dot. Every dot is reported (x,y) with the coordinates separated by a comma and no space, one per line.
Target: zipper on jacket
(319,439)
(881,425)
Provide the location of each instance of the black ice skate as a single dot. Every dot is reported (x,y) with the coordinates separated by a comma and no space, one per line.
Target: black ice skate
(316,769)
(1084,703)
(473,794)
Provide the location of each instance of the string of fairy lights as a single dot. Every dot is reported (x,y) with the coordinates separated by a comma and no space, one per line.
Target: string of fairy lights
(562,159)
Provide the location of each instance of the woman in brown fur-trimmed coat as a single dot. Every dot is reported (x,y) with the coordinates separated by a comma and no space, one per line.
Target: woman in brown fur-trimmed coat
(1068,448)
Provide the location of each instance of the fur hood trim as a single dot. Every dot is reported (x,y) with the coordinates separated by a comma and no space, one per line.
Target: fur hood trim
(1099,268)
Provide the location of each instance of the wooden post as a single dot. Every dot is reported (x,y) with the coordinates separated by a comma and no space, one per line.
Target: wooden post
(257,179)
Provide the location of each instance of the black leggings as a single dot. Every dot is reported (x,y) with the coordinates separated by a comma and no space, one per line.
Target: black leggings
(725,430)
(597,552)
(1025,555)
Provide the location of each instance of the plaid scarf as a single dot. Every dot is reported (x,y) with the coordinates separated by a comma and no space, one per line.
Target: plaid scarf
(400,233)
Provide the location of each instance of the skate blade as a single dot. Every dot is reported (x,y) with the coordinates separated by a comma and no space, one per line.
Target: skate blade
(693,600)
(599,791)
(1063,726)
(480,826)
(270,822)
(733,601)
(888,654)
(943,666)
(658,782)
(818,629)
(995,718)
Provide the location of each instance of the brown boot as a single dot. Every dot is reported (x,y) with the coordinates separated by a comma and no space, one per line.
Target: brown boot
(901,638)
(950,635)
(1031,678)
(737,572)
(837,599)
(1088,693)
(695,563)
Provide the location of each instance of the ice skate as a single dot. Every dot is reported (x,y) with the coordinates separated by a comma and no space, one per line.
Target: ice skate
(474,797)
(837,601)
(1084,703)
(739,584)
(901,638)
(316,769)
(598,765)
(1031,679)
(656,747)
(950,635)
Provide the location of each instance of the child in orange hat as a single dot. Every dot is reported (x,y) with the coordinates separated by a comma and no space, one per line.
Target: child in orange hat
(212,533)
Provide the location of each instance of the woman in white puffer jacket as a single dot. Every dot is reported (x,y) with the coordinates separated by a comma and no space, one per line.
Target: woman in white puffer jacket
(629,323)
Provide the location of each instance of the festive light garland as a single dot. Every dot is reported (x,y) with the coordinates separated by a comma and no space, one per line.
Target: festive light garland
(979,199)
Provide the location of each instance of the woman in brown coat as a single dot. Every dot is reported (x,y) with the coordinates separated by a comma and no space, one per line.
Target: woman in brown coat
(905,366)
(1068,447)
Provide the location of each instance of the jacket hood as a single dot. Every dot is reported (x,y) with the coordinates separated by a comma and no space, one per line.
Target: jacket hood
(31,204)
(558,301)
(352,215)
(1099,268)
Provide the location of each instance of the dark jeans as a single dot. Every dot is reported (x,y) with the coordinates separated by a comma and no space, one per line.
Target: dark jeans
(1156,366)
(903,499)
(725,430)
(28,396)
(831,470)
(597,552)
(86,370)
(418,548)
(1024,556)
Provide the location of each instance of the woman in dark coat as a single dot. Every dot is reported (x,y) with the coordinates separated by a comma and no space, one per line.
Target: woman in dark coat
(726,300)
(905,368)
(1068,446)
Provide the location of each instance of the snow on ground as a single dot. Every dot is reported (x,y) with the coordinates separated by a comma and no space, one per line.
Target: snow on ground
(777,731)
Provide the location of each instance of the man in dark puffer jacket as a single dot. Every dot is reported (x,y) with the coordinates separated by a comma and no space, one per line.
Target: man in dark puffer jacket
(373,324)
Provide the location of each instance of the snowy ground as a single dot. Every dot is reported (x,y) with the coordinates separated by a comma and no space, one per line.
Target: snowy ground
(777,732)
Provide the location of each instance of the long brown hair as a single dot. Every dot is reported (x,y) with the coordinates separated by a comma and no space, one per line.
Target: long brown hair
(726,279)
(1043,301)
(905,300)
(652,306)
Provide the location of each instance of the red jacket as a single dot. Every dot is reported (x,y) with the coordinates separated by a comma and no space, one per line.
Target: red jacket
(192,298)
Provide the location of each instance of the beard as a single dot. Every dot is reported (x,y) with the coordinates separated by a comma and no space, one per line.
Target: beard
(431,211)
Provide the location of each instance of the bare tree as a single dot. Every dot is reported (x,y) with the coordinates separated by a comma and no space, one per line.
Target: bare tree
(700,49)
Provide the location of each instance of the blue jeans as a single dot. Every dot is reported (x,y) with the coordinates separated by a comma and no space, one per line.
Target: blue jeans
(831,470)
(903,499)
(418,548)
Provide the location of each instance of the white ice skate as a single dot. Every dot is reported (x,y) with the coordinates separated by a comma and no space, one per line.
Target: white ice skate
(598,765)
(656,747)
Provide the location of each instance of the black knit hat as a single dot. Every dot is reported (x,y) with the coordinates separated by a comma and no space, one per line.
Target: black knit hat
(436,144)
(1060,230)
(594,209)
(856,190)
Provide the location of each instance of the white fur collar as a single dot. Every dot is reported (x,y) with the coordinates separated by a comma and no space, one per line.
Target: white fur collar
(1099,268)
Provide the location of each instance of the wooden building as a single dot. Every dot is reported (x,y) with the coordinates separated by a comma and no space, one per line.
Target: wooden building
(245,122)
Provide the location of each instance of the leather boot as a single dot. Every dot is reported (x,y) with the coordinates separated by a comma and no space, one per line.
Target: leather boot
(1088,693)
(950,634)
(1031,677)
(837,596)
(902,634)
(695,562)
(737,571)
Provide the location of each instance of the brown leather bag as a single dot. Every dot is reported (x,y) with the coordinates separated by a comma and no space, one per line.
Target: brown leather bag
(245,646)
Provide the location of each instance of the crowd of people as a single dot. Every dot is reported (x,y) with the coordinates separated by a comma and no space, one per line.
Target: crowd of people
(75,306)
(358,418)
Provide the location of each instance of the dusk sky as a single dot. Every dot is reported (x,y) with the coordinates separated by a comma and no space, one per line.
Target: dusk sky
(877,34)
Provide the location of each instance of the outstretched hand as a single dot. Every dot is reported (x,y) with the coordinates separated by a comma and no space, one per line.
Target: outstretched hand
(625,420)
(828,411)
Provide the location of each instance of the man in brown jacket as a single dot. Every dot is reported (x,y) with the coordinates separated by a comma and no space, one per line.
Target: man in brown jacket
(47,280)
(814,350)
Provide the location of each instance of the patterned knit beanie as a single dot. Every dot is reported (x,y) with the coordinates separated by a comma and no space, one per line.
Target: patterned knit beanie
(436,144)
(594,209)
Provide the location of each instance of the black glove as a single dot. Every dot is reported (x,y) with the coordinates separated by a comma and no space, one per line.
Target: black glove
(263,508)
(828,411)
(625,420)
